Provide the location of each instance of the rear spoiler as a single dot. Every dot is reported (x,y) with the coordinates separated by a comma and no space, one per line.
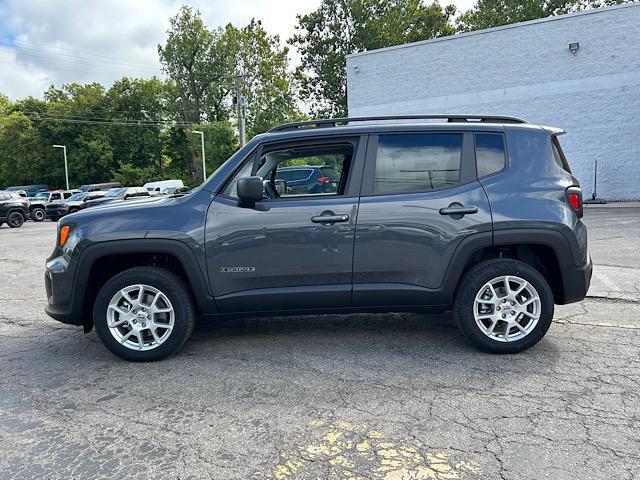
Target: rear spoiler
(553,131)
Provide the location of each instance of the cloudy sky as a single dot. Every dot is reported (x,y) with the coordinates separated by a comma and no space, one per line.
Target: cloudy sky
(45,42)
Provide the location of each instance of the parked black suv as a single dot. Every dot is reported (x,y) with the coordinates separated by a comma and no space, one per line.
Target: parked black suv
(478,214)
(78,201)
(13,209)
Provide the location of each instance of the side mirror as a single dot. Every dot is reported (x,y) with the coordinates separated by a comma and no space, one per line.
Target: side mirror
(250,190)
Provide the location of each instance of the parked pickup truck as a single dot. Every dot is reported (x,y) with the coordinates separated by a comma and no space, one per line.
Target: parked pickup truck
(38,204)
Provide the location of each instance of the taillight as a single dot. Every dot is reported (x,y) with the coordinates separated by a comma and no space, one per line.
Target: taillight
(574,199)
(324,179)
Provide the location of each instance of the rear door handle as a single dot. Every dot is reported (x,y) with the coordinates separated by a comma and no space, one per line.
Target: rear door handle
(457,209)
(330,218)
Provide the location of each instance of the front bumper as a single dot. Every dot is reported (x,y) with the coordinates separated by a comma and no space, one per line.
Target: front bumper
(59,285)
(56,211)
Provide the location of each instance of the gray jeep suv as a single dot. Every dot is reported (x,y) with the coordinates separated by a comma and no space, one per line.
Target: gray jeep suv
(477,214)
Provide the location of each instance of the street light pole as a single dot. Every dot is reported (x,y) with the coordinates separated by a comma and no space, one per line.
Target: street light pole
(204,166)
(66,169)
(240,103)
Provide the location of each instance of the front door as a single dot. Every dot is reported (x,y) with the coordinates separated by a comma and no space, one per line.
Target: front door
(420,200)
(294,250)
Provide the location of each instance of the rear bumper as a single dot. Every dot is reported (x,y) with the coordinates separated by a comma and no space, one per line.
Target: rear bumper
(576,282)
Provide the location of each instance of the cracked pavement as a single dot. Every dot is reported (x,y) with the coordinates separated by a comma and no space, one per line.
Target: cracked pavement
(398,396)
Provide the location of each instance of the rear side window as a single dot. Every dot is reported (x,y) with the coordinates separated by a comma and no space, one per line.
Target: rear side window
(490,153)
(412,163)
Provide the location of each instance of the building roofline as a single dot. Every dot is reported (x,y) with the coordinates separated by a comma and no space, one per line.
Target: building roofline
(500,28)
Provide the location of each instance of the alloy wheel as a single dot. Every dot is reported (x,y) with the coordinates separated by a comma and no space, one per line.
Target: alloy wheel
(15,220)
(140,317)
(507,308)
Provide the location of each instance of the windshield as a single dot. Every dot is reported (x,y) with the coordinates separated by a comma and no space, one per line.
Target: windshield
(116,192)
(41,196)
(77,197)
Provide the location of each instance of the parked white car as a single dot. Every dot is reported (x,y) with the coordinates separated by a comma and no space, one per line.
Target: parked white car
(155,188)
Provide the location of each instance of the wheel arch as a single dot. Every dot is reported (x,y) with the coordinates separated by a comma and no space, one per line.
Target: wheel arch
(548,251)
(101,261)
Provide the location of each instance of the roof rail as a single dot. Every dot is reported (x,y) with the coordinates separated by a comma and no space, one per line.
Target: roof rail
(334,122)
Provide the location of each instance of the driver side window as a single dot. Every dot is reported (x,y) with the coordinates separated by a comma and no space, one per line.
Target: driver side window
(304,171)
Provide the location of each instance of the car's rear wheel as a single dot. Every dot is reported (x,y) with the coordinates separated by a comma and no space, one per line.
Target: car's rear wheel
(504,306)
(144,314)
(15,219)
(38,214)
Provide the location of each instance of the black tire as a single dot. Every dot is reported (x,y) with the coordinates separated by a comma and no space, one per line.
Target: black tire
(54,218)
(38,214)
(15,219)
(170,285)
(470,286)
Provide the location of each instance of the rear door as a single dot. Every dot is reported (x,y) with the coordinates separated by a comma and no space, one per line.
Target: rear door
(294,250)
(420,200)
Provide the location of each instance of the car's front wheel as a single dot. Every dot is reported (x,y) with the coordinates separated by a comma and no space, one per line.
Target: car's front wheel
(144,314)
(504,306)
(38,214)
(15,219)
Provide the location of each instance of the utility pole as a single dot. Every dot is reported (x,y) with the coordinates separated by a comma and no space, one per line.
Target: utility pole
(241,103)
(204,165)
(66,170)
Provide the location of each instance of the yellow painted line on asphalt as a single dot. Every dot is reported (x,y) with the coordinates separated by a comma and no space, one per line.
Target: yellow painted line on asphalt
(597,324)
(340,449)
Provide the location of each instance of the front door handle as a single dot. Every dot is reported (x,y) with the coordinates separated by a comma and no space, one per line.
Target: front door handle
(330,218)
(459,210)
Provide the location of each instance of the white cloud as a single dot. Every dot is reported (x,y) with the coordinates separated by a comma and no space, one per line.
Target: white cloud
(59,41)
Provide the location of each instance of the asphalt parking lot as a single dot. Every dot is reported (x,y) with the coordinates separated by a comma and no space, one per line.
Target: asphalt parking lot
(357,397)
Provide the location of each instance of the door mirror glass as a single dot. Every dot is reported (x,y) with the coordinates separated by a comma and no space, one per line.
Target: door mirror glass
(250,191)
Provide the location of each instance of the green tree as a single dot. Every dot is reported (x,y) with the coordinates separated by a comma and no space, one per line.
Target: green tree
(220,142)
(493,13)
(199,66)
(263,77)
(340,27)
(143,101)
(18,149)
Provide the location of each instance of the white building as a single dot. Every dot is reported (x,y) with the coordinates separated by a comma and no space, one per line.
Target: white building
(527,70)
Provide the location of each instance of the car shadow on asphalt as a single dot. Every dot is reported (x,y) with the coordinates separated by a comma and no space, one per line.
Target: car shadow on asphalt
(406,333)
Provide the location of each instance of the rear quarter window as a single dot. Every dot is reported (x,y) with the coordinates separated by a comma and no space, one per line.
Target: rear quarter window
(490,153)
(558,155)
